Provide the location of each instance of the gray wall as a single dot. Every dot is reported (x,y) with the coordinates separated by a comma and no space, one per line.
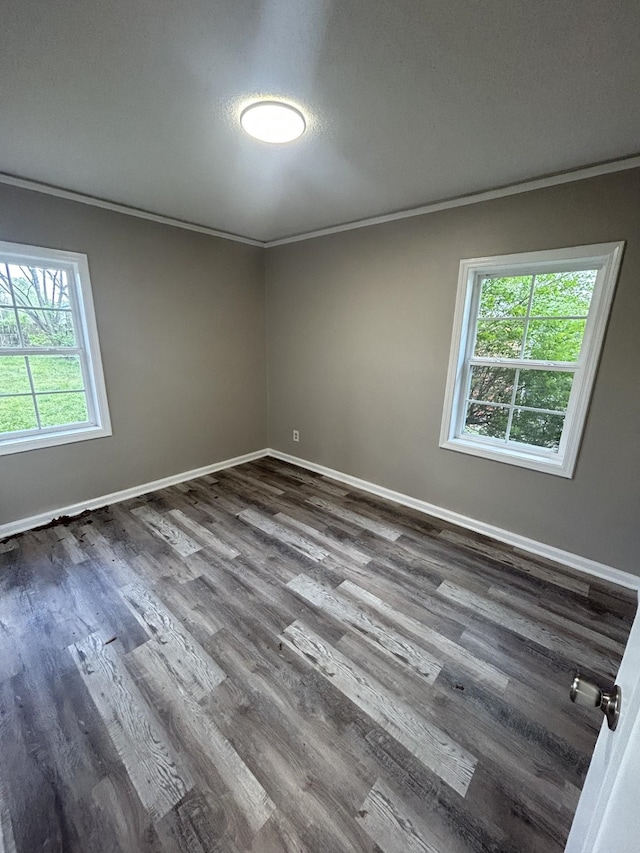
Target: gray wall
(359,327)
(181,322)
(358,335)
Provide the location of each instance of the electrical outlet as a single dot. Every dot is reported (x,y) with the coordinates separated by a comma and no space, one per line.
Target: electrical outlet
(296,435)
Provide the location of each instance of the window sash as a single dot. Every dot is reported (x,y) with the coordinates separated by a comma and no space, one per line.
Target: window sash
(488,318)
(525,363)
(75,311)
(517,364)
(473,402)
(17,351)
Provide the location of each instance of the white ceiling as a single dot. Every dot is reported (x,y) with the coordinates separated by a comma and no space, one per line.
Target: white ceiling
(408,101)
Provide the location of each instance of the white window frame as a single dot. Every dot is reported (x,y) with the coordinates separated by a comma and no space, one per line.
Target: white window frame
(87,348)
(606,258)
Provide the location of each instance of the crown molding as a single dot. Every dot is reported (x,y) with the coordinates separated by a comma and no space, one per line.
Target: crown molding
(595,171)
(58,192)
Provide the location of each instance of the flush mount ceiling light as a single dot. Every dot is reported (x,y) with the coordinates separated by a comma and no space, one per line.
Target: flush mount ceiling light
(273,121)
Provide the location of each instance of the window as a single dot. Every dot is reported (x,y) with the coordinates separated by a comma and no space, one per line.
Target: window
(528,332)
(51,383)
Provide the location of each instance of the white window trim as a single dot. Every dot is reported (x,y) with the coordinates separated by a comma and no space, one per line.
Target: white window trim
(606,258)
(84,319)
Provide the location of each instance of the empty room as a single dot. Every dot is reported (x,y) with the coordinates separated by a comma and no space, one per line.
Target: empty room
(319,450)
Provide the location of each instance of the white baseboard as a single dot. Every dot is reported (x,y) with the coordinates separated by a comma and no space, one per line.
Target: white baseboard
(531,546)
(22,524)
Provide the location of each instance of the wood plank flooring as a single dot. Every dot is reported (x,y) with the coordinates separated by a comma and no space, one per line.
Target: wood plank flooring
(267,661)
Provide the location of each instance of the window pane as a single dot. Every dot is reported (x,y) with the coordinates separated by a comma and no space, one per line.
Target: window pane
(39,287)
(563,293)
(554,340)
(9,336)
(492,384)
(499,338)
(544,389)
(14,378)
(58,409)
(47,328)
(486,420)
(505,297)
(56,372)
(536,428)
(17,413)
(5,291)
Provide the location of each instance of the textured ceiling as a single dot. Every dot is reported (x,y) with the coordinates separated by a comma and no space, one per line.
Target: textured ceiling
(409,101)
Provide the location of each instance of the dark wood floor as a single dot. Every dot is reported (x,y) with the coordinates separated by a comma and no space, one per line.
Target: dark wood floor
(267,661)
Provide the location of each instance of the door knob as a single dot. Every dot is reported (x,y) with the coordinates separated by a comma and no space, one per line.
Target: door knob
(587,693)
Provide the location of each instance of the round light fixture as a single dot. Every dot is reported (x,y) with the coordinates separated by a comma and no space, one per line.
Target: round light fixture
(273,121)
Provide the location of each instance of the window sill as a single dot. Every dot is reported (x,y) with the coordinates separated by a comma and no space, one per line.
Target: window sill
(52,439)
(561,467)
